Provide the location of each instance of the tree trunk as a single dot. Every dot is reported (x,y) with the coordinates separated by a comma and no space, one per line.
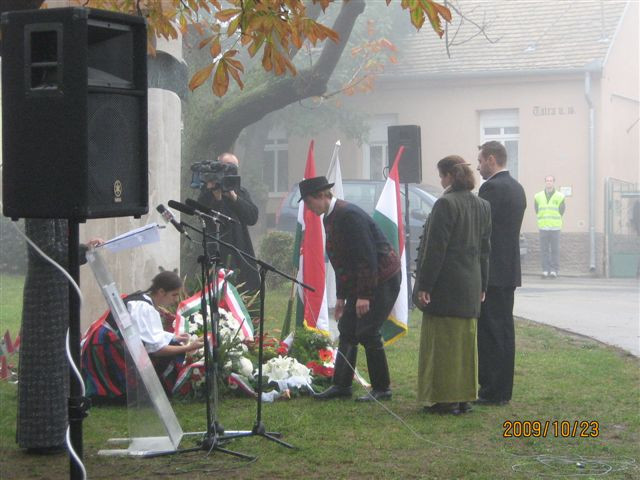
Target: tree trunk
(249,106)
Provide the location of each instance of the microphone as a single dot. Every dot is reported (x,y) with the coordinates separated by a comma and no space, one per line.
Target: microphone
(169,218)
(181,207)
(203,208)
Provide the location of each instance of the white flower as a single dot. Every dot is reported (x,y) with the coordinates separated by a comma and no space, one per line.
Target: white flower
(283,368)
(244,367)
(299,370)
(194,323)
(238,350)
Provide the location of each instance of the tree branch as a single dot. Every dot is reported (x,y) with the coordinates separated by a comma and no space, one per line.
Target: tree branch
(250,106)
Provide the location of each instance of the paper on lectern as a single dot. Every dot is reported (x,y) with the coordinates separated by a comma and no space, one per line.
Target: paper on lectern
(139,236)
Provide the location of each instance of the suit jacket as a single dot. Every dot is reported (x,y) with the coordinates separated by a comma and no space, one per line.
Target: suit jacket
(358,250)
(456,261)
(508,203)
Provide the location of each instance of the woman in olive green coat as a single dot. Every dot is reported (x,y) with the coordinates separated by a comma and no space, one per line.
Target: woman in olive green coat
(452,279)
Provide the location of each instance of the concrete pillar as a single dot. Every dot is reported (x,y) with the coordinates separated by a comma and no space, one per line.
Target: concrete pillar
(133,269)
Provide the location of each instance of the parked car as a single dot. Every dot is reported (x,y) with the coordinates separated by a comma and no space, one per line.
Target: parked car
(365,194)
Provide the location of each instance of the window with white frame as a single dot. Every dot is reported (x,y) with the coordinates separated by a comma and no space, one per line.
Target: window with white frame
(275,171)
(375,156)
(504,127)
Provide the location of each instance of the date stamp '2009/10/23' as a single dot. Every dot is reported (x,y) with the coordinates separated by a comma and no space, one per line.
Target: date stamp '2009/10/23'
(551,428)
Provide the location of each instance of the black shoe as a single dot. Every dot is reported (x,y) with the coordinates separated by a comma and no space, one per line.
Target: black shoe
(465,407)
(375,395)
(486,401)
(443,409)
(334,391)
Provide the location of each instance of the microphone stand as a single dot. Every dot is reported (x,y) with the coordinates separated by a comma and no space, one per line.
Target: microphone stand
(258,427)
(213,435)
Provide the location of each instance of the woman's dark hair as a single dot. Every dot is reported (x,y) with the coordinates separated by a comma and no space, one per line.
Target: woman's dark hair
(167,281)
(459,170)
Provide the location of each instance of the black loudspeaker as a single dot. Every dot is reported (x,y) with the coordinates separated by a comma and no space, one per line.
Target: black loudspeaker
(410,168)
(74,114)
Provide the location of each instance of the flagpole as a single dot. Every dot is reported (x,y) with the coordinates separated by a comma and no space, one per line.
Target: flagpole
(407,245)
(286,326)
(334,155)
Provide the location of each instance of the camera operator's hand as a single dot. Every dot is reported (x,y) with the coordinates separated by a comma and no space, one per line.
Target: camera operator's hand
(232,195)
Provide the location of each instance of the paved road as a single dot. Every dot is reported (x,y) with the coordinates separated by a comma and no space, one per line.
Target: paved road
(605,309)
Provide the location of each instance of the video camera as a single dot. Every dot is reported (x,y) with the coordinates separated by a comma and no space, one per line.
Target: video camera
(224,175)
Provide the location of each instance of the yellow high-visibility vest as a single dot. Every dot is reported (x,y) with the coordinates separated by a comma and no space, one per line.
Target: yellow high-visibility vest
(549,217)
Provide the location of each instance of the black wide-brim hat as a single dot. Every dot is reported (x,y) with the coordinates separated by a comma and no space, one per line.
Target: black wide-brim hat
(313,185)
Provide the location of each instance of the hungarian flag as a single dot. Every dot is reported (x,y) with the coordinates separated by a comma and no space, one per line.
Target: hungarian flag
(312,311)
(229,299)
(388,216)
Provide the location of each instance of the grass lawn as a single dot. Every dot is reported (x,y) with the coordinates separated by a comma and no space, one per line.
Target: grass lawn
(558,378)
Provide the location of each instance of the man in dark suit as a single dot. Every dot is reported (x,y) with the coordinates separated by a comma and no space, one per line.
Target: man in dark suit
(496,336)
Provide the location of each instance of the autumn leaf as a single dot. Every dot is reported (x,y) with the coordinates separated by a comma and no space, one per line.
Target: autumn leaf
(266,58)
(443,11)
(221,80)
(255,46)
(215,48)
(233,25)
(200,77)
(199,29)
(417,17)
(433,16)
(388,45)
(236,64)
(205,4)
(236,76)
(323,3)
(227,14)
(371,29)
(205,41)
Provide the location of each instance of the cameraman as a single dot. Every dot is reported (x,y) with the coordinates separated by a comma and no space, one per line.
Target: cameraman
(235,203)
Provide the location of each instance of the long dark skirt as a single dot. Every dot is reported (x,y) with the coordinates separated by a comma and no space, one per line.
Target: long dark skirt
(448,361)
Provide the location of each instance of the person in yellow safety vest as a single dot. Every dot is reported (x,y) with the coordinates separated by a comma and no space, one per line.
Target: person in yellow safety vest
(549,206)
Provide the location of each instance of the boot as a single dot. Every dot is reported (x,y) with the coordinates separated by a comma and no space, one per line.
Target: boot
(379,375)
(342,373)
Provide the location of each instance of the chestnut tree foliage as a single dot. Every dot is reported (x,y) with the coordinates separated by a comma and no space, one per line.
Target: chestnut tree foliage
(272,31)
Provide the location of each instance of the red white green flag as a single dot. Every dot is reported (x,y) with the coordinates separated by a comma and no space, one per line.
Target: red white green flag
(388,216)
(229,299)
(312,311)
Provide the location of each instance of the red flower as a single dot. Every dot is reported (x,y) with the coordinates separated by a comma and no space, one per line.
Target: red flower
(320,370)
(327,371)
(315,367)
(325,355)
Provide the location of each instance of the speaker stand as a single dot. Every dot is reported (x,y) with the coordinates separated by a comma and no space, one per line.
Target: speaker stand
(78,405)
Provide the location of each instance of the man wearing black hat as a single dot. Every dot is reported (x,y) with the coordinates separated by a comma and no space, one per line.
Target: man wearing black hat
(367,284)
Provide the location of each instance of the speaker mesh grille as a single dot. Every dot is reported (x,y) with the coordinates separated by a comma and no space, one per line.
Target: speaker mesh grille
(114,163)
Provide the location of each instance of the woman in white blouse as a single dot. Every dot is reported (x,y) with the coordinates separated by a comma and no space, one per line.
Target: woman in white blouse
(103,360)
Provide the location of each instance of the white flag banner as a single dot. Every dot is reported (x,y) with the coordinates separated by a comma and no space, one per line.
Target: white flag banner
(334,175)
